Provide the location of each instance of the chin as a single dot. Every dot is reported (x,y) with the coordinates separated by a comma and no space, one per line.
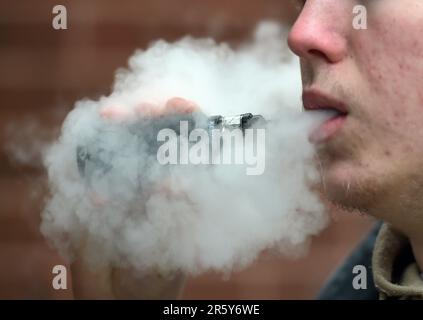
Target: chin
(344,187)
(343,199)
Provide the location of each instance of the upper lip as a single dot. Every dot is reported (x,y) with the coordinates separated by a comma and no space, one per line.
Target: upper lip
(314,99)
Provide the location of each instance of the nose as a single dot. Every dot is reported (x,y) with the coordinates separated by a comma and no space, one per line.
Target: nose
(320,31)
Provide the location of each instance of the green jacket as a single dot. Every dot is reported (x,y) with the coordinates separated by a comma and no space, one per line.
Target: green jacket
(395,272)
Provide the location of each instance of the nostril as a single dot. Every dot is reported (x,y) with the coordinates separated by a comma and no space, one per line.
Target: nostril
(318,53)
(310,38)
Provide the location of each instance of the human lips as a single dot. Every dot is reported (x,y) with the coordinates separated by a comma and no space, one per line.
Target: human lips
(314,100)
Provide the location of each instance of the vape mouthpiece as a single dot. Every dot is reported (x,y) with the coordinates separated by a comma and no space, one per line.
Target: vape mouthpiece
(242,121)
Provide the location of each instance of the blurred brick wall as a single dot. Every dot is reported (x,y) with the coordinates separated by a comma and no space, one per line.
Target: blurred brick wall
(43,71)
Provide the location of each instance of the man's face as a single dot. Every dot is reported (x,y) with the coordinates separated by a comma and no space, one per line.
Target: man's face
(372,154)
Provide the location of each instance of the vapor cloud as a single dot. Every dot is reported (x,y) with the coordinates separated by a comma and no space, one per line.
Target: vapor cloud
(190,218)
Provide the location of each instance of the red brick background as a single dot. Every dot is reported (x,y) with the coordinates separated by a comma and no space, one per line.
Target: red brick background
(43,71)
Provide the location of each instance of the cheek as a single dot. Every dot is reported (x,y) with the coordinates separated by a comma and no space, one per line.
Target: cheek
(389,56)
(390,70)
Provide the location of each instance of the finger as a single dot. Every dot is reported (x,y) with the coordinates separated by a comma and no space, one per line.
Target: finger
(148,110)
(180,105)
(116,113)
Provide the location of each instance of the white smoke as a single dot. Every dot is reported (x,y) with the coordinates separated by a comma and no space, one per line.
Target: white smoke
(190,218)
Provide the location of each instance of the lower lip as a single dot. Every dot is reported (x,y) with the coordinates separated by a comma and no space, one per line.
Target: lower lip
(328,129)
